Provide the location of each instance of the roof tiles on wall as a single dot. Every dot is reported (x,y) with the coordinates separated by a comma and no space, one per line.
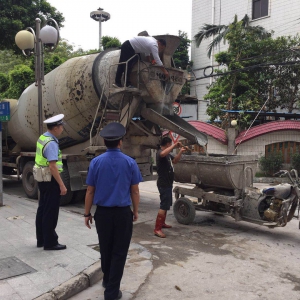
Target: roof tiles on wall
(266,128)
(211,130)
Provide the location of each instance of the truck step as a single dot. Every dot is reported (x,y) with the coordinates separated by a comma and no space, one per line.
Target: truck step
(124,90)
(112,114)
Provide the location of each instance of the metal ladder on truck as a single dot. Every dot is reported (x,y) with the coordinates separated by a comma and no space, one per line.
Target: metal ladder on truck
(122,114)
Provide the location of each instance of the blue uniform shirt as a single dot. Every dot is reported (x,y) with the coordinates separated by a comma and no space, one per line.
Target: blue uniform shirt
(51,149)
(112,174)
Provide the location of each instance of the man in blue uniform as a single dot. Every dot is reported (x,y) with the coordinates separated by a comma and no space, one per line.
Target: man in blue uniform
(48,161)
(113,179)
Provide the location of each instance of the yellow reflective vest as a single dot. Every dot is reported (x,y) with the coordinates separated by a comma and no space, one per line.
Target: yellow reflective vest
(40,159)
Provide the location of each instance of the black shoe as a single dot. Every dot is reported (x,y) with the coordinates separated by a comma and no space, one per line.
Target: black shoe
(40,244)
(117,85)
(56,247)
(119,295)
(131,87)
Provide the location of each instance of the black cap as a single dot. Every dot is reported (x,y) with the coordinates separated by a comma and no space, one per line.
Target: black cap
(113,131)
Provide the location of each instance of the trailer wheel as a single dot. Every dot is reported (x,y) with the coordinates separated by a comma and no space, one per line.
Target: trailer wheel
(184,211)
(65,176)
(30,185)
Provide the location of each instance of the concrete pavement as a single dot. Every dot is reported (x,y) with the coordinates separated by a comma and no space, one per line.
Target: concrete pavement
(53,274)
(60,274)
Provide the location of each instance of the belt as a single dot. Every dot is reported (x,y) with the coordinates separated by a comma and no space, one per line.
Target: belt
(112,207)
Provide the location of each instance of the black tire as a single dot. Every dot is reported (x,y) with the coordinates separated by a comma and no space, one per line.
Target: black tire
(65,176)
(184,211)
(30,185)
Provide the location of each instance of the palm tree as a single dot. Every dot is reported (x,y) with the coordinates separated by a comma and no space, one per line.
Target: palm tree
(219,32)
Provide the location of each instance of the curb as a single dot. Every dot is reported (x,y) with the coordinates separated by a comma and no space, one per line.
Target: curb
(75,285)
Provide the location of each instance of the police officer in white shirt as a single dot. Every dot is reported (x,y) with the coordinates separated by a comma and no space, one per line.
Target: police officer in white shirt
(49,158)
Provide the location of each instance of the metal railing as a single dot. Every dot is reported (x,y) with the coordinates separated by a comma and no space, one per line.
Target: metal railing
(105,83)
(126,68)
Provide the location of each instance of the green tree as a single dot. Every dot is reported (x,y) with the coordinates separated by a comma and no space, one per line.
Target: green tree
(252,66)
(4,83)
(110,42)
(16,15)
(52,63)
(286,76)
(17,72)
(181,57)
(296,162)
(8,59)
(237,90)
(19,79)
(219,32)
(271,164)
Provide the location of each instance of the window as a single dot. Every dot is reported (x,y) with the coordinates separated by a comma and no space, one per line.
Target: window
(260,8)
(286,148)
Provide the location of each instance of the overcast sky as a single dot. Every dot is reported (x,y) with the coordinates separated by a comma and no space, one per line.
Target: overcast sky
(128,18)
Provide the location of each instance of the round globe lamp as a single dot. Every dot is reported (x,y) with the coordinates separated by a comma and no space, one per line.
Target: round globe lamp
(49,35)
(24,40)
(233,123)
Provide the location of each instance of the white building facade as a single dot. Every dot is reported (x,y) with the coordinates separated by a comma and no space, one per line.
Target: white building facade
(281,16)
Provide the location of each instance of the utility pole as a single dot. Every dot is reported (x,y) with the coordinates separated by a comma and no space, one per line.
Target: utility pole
(28,40)
(1,180)
(4,116)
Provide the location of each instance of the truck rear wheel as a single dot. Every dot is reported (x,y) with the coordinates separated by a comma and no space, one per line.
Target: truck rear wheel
(184,211)
(65,176)
(30,185)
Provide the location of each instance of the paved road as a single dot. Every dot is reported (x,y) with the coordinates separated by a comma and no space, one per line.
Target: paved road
(213,258)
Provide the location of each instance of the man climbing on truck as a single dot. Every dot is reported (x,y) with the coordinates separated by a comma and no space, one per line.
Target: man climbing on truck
(140,44)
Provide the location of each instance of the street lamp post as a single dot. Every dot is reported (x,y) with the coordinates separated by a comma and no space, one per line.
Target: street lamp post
(100,16)
(27,40)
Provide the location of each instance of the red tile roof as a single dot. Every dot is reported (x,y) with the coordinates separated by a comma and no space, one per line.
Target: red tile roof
(266,128)
(215,132)
(211,130)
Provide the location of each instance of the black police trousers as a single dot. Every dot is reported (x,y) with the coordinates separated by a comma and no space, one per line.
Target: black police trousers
(114,228)
(47,213)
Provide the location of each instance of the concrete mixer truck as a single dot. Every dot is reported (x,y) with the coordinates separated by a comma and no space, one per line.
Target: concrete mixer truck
(81,89)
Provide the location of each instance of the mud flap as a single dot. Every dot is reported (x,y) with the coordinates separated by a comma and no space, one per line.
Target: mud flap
(77,164)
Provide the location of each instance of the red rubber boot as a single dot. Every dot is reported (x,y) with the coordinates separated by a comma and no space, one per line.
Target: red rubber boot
(160,219)
(164,224)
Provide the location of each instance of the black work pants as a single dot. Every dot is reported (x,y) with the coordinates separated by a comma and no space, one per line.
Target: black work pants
(114,228)
(47,213)
(126,53)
